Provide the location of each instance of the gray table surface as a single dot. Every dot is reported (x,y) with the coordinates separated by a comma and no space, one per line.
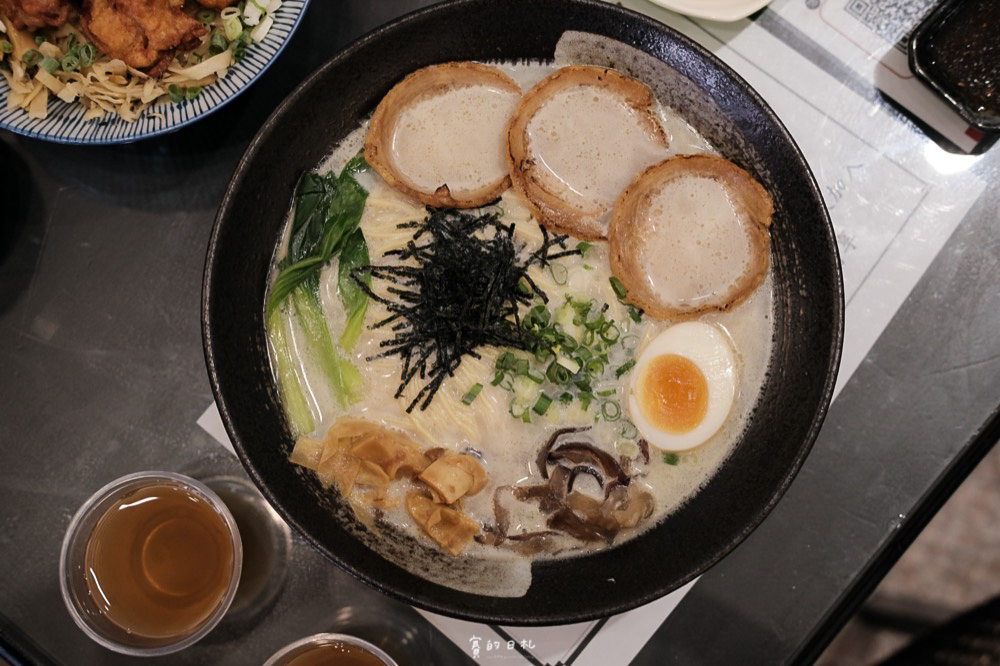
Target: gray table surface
(102,374)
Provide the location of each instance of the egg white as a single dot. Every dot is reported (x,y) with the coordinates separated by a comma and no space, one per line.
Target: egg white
(709,348)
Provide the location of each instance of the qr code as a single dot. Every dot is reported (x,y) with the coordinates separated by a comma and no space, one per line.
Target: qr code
(889,19)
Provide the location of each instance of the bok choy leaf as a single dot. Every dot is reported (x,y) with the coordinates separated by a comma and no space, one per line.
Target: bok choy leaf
(325,223)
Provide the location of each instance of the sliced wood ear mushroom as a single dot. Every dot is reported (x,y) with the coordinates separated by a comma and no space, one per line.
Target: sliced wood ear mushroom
(439,135)
(576,140)
(691,235)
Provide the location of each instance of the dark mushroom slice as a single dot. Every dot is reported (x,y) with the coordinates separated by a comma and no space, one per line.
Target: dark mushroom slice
(584,453)
(534,543)
(543,454)
(550,495)
(584,469)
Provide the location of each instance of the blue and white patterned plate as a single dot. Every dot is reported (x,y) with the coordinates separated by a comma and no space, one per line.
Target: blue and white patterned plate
(65,123)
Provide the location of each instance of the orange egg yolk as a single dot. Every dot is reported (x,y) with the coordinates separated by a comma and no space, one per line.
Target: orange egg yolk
(673,394)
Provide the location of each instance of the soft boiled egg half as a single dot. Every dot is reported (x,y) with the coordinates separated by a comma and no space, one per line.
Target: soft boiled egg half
(683,386)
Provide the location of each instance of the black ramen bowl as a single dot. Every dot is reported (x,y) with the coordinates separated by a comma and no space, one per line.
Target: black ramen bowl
(808,306)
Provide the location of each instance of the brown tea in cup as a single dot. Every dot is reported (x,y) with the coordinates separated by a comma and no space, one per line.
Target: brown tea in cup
(150,563)
(159,561)
(330,650)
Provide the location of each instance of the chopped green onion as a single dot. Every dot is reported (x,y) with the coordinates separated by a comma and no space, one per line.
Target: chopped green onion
(497,378)
(618,287)
(625,367)
(566,397)
(472,393)
(610,410)
(568,342)
(218,43)
(206,16)
(558,374)
(542,404)
(40,39)
(606,392)
(571,365)
(583,246)
(192,92)
(176,93)
(629,430)
(238,45)
(635,314)
(538,379)
(560,274)
(594,366)
(671,458)
(87,53)
(610,332)
(31,57)
(6,47)
(538,316)
(232,27)
(49,64)
(505,361)
(69,63)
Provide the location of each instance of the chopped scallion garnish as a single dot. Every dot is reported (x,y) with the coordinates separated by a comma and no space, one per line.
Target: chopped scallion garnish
(31,57)
(69,63)
(87,53)
(542,404)
(205,16)
(560,274)
(49,64)
(472,393)
(618,287)
(624,367)
(671,458)
(218,43)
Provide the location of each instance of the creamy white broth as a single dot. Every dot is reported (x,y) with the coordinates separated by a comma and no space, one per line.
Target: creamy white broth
(508,446)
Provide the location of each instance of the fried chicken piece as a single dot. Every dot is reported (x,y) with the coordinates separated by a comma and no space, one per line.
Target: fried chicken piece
(35,14)
(217,5)
(143,33)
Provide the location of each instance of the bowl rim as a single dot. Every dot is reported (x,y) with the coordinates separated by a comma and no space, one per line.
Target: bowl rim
(543,617)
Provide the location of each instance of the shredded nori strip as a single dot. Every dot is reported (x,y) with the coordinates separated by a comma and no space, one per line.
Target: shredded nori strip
(457,285)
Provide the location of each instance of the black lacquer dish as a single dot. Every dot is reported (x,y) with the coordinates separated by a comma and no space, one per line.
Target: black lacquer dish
(723,108)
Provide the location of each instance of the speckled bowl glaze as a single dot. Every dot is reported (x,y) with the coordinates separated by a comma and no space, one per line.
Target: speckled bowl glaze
(808,304)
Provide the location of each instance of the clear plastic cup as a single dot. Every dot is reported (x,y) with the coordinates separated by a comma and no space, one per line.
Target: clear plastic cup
(317,649)
(150,563)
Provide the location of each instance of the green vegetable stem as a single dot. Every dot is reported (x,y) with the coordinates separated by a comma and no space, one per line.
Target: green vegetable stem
(325,223)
